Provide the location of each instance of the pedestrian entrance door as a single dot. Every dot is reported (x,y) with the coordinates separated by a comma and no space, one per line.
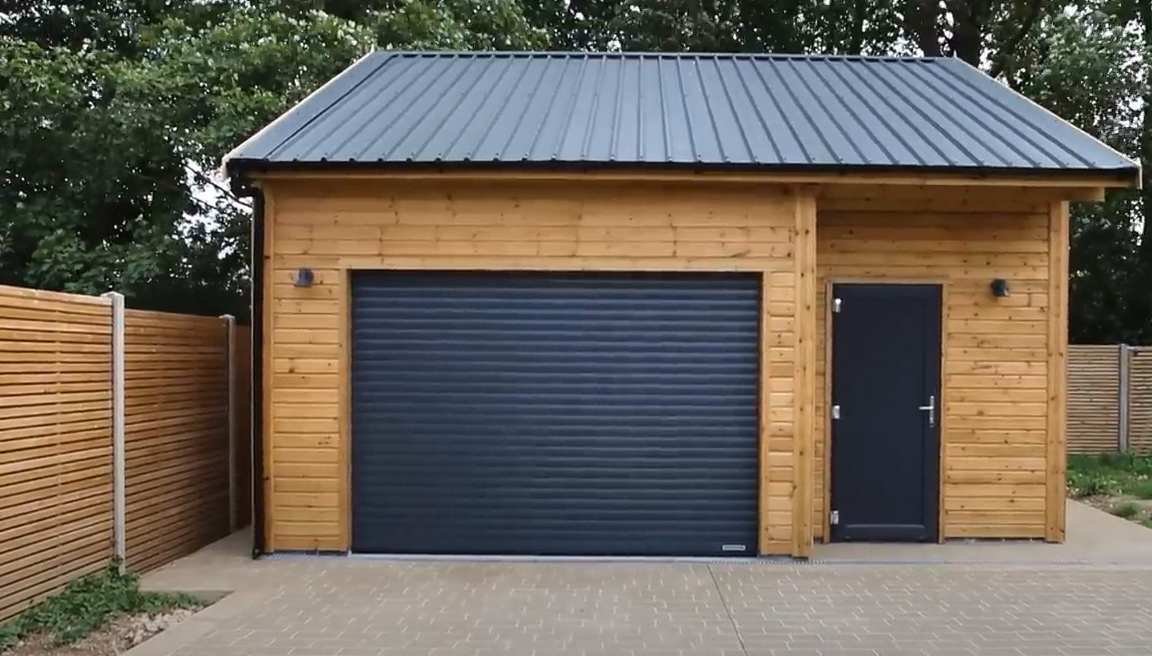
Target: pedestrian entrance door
(886,411)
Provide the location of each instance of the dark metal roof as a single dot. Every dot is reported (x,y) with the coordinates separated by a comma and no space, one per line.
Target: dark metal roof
(683,110)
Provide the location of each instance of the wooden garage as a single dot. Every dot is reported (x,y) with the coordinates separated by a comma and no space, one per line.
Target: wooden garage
(661,305)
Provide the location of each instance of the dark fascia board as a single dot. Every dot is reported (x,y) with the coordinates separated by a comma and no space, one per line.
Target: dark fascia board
(242,170)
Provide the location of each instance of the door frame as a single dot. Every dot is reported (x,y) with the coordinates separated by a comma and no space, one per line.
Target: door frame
(343,283)
(829,285)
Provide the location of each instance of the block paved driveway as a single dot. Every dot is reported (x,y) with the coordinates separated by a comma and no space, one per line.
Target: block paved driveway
(366,607)
(1035,601)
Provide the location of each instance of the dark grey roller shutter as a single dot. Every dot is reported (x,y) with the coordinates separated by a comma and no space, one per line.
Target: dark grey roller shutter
(555,414)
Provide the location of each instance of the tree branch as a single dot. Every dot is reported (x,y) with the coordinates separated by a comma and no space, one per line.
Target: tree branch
(1007,52)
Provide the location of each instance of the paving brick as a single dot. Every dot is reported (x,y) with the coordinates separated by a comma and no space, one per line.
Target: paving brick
(332,606)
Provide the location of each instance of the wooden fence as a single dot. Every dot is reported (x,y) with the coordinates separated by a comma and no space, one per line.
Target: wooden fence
(1109,398)
(186,439)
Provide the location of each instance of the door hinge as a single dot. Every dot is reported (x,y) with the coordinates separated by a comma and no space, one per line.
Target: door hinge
(835,412)
(834,519)
(836,303)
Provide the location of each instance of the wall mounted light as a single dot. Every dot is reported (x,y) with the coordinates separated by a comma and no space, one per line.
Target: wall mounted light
(999,287)
(303,278)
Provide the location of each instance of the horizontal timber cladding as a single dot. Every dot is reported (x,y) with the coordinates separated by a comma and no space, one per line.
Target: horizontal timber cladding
(175,434)
(335,227)
(995,389)
(555,413)
(55,442)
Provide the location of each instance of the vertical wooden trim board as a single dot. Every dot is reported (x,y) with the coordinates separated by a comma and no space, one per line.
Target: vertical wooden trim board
(1058,242)
(942,417)
(826,418)
(804,369)
(765,412)
(344,367)
(269,472)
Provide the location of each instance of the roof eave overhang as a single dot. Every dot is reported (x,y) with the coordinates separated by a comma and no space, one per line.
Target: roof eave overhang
(242,171)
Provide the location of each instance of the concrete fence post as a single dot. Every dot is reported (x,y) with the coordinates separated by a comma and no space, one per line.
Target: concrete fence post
(119,531)
(230,322)
(1124,401)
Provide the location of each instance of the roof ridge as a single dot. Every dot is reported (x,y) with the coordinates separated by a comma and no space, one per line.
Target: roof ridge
(525,54)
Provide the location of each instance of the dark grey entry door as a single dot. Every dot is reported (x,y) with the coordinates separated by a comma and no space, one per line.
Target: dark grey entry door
(555,414)
(886,412)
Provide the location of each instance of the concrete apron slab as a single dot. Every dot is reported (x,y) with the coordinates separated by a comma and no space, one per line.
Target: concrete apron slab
(1093,537)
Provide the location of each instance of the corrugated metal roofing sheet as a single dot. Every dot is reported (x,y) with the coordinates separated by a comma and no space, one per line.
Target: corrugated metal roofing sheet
(693,110)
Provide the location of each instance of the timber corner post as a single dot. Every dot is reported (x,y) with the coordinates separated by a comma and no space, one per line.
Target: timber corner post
(119,531)
(804,370)
(1056,442)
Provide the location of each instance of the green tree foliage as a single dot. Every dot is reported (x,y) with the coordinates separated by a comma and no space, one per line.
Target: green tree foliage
(92,189)
(116,112)
(1086,68)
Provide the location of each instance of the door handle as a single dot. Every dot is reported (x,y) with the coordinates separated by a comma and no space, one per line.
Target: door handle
(931,408)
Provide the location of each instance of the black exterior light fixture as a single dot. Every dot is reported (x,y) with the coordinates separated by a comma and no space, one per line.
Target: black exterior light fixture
(303,277)
(999,287)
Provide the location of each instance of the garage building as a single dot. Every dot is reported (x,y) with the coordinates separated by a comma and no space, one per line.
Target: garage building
(661,305)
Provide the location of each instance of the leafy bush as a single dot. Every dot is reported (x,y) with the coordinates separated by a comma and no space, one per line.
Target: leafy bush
(86,604)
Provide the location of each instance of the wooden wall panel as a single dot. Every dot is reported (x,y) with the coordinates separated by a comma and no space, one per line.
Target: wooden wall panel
(334,226)
(1093,398)
(1140,404)
(176,435)
(995,394)
(55,442)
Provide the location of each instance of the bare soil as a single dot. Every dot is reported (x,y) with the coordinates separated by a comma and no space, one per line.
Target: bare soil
(116,637)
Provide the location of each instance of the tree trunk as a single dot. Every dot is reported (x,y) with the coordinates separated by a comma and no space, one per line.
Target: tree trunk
(921,23)
(856,34)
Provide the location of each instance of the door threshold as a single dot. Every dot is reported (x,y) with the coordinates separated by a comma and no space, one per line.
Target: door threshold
(570,559)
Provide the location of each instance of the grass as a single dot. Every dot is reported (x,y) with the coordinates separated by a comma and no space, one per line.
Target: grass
(1142,490)
(86,604)
(1127,510)
(1117,474)
(1120,483)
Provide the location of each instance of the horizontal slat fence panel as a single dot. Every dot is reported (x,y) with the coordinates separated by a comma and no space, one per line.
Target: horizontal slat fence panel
(176,435)
(1140,400)
(56,438)
(242,404)
(1093,398)
(55,442)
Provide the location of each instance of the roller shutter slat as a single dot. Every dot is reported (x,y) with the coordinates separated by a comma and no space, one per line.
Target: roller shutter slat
(555,414)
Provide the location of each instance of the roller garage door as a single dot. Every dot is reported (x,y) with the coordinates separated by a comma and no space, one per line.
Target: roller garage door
(555,414)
